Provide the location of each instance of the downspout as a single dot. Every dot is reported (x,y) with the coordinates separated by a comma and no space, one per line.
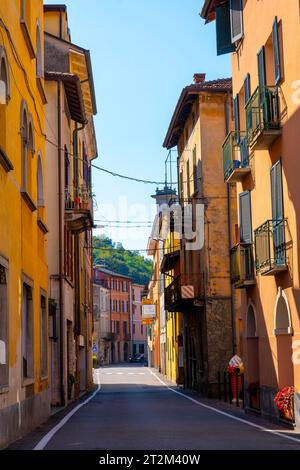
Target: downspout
(60,247)
(232,309)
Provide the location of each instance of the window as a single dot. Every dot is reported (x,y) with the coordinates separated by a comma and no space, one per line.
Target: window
(125,306)
(3,324)
(276,192)
(245,217)
(141,348)
(68,258)
(261,63)
(195,169)
(142,329)
(247,89)
(181,192)
(188,179)
(27,148)
(4,77)
(236,20)
(251,331)
(236,107)
(67,169)
(118,327)
(124,286)
(276,49)
(27,331)
(223,26)
(125,328)
(40,182)
(39,53)
(43,337)
(133,328)
(112,284)
(85,166)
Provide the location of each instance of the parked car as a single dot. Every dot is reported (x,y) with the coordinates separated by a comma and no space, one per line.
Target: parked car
(137,358)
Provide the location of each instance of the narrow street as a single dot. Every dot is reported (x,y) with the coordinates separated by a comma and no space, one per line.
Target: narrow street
(135,410)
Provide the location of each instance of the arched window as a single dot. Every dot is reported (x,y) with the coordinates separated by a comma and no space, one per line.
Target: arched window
(24,143)
(4,77)
(251,323)
(27,150)
(40,182)
(39,53)
(4,95)
(283,322)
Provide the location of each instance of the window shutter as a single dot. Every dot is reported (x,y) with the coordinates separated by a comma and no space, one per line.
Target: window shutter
(236,106)
(236,20)
(181,185)
(195,169)
(188,179)
(276,191)
(276,49)
(261,67)
(245,217)
(247,89)
(224,43)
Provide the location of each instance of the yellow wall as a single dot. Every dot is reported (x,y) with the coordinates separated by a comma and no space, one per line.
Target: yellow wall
(22,242)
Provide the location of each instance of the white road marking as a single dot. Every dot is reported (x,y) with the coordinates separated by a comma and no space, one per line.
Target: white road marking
(47,438)
(119,373)
(223,413)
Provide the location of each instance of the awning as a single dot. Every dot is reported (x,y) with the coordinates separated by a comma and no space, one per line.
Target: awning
(169,261)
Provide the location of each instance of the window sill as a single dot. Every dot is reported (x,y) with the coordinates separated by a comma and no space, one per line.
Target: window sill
(39,83)
(28,381)
(42,226)
(5,161)
(26,197)
(4,389)
(27,38)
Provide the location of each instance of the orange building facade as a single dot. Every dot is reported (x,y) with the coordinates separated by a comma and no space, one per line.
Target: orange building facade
(260,157)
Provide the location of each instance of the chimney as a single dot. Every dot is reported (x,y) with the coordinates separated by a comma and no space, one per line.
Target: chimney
(199,78)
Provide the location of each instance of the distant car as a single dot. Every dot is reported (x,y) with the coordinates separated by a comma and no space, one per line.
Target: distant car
(137,358)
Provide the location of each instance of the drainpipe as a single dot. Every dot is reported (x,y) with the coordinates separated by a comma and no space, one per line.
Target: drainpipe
(229,236)
(60,248)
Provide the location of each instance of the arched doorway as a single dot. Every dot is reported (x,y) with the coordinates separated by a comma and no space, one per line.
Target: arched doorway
(252,364)
(125,352)
(283,331)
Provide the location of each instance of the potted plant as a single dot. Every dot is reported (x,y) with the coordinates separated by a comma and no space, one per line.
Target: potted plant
(284,400)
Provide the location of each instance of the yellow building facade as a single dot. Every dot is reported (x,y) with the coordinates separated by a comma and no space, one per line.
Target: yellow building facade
(261,158)
(24,364)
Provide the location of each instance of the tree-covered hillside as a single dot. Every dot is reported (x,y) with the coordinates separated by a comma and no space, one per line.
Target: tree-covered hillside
(113,256)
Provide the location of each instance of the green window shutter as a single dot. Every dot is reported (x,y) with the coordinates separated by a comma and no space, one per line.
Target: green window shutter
(236,20)
(247,89)
(245,217)
(236,107)
(276,191)
(224,43)
(276,50)
(261,67)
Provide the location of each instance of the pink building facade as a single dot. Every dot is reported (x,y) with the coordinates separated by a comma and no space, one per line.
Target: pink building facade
(138,330)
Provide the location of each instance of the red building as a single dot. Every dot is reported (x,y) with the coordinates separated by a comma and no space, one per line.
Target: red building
(120,311)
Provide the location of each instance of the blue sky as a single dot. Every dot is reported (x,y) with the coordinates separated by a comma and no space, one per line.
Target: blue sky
(143,53)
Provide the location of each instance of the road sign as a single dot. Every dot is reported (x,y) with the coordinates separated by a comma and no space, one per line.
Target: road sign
(95,348)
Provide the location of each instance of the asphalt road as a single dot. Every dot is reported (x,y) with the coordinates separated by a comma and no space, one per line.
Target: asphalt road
(134,410)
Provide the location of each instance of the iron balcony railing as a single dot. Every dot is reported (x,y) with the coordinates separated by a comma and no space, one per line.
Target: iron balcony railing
(235,153)
(242,265)
(78,198)
(270,246)
(184,291)
(262,112)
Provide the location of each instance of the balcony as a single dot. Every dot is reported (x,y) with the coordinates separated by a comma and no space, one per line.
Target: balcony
(242,266)
(184,293)
(78,208)
(263,118)
(108,336)
(235,157)
(270,247)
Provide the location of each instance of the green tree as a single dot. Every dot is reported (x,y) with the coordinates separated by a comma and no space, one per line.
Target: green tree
(114,257)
